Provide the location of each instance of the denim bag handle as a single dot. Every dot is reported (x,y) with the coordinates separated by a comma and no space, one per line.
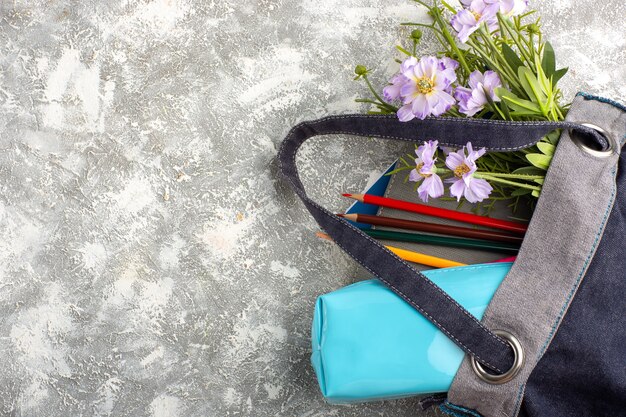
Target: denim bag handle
(417,290)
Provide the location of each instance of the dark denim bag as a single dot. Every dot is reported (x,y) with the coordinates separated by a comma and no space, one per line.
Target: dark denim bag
(553,339)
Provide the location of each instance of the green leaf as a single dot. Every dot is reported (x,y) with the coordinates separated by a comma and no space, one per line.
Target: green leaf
(548,61)
(546,148)
(536,114)
(531,86)
(544,81)
(511,57)
(523,106)
(529,170)
(553,137)
(505,110)
(535,193)
(539,160)
(450,8)
(520,192)
(558,74)
(539,181)
(404,51)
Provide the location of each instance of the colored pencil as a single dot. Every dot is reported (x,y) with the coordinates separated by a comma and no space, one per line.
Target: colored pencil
(442,240)
(509,259)
(415,257)
(433,228)
(515,227)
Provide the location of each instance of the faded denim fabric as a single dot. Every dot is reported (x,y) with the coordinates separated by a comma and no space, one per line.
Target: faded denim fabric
(575,240)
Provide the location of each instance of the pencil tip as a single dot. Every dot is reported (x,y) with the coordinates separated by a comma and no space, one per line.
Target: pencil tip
(346,195)
(323,236)
(340,215)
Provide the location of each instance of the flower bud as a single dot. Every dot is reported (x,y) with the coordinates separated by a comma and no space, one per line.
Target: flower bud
(416,35)
(534,29)
(360,70)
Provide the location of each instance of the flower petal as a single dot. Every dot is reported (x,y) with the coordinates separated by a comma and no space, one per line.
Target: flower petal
(491,80)
(407,64)
(477,190)
(415,176)
(475,78)
(420,107)
(457,189)
(405,114)
(455,159)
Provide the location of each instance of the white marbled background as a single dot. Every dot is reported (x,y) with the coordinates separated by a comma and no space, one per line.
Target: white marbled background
(151,262)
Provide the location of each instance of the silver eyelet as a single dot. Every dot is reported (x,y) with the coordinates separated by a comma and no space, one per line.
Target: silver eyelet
(518,361)
(593,152)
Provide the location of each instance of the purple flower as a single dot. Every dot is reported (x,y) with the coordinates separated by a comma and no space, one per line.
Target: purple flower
(448,67)
(513,7)
(426,171)
(464,184)
(472,100)
(467,20)
(392,91)
(507,7)
(424,93)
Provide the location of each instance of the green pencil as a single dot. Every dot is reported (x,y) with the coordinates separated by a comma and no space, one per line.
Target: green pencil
(442,240)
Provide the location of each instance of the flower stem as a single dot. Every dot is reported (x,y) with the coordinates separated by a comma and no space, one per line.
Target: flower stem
(436,13)
(513,176)
(505,23)
(507,182)
(381,101)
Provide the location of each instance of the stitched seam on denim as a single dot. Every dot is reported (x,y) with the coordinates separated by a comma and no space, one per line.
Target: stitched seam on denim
(520,394)
(465,268)
(463,409)
(556,125)
(346,132)
(452,119)
(450,411)
(574,287)
(301,192)
(602,100)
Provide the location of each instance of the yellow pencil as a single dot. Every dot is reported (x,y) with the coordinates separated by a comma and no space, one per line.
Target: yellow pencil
(411,256)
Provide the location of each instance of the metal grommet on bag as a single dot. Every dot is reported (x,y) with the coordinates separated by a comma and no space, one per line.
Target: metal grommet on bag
(518,361)
(578,140)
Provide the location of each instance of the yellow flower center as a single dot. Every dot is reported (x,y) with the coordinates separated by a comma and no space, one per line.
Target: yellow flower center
(418,167)
(477,15)
(424,85)
(461,170)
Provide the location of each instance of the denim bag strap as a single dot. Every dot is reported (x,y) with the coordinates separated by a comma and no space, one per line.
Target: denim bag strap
(417,290)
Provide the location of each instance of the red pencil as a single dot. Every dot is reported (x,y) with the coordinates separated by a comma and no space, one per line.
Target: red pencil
(515,227)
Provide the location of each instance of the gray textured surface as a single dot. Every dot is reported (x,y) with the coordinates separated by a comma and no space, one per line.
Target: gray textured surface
(150,262)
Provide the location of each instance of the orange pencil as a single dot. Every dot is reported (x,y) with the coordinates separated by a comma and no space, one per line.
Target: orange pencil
(411,256)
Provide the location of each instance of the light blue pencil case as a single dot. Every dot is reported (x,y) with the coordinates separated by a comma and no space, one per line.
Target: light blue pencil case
(369,344)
